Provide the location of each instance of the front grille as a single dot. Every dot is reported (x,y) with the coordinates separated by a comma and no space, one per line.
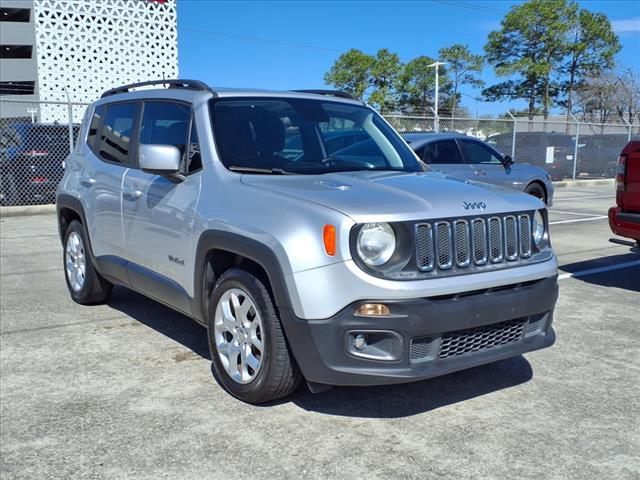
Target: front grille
(462,243)
(471,340)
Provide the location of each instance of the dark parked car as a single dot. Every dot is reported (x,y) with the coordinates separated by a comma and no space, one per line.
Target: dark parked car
(624,219)
(32,161)
(552,151)
(598,154)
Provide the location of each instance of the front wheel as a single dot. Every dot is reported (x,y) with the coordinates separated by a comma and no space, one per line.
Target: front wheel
(537,191)
(249,350)
(610,170)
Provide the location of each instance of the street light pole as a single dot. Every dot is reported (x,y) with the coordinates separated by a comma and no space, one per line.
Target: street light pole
(437,67)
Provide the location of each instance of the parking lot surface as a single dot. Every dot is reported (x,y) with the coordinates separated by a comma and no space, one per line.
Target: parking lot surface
(125,390)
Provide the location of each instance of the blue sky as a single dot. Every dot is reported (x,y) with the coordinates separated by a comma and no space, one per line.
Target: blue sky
(291,44)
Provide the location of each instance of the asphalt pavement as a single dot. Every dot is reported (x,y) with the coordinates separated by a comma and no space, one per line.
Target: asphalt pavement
(125,390)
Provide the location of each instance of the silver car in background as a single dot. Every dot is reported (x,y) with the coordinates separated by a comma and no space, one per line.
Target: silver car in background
(467,157)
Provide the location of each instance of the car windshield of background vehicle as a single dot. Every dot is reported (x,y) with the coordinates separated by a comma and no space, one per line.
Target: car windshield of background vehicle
(266,135)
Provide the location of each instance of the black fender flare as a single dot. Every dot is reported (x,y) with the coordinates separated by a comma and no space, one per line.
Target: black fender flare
(69,202)
(243,246)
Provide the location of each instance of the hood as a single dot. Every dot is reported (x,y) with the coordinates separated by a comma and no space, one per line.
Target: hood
(396,196)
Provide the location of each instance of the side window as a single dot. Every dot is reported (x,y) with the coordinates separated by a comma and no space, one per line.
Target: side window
(420,151)
(166,123)
(193,159)
(115,137)
(475,152)
(444,152)
(98,113)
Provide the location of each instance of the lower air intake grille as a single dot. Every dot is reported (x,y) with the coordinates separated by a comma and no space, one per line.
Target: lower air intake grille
(420,348)
(481,338)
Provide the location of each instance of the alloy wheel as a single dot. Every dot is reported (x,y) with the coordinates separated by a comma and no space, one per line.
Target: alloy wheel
(75,261)
(238,335)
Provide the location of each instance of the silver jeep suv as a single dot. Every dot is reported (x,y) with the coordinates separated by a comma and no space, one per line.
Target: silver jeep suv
(304,233)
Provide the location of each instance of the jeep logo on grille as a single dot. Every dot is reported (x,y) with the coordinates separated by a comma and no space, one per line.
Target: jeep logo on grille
(474,205)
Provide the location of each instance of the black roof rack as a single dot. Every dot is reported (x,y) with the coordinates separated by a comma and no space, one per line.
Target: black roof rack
(333,93)
(173,83)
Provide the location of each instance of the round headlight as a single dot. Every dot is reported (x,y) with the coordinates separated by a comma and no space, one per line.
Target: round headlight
(376,243)
(538,227)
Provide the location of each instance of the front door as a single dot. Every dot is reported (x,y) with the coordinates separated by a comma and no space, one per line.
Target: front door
(158,212)
(487,164)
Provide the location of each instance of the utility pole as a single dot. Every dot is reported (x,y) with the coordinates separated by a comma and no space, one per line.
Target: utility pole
(32,111)
(437,64)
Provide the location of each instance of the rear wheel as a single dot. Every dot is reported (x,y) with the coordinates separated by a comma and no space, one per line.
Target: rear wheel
(85,285)
(249,351)
(537,191)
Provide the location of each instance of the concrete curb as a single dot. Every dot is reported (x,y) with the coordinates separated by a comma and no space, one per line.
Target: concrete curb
(27,210)
(584,183)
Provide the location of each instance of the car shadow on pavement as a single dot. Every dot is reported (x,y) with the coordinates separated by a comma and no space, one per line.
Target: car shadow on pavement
(164,320)
(405,400)
(392,401)
(626,278)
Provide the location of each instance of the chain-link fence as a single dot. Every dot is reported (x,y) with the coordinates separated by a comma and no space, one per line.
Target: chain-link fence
(35,139)
(565,149)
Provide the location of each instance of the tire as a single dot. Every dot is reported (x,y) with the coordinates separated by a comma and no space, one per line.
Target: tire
(250,354)
(610,170)
(537,191)
(85,285)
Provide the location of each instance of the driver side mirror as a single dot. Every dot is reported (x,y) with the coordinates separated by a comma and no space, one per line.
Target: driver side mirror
(160,160)
(507,161)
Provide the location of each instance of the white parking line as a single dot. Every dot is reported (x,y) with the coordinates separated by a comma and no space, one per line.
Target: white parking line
(599,217)
(591,271)
(553,210)
(560,197)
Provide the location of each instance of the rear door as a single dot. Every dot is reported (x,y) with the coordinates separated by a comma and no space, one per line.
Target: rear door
(445,156)
(158,213)
(108,156)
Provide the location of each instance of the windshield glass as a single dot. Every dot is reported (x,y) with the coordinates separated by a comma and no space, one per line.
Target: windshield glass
(288,135)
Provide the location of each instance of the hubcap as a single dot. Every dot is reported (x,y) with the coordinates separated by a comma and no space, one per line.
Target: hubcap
(75,262)
(238,335)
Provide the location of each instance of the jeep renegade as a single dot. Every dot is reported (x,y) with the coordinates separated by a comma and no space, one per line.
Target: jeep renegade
(305,234)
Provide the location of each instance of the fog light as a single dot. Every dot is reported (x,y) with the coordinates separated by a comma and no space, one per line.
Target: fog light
(373,310)
(360,341)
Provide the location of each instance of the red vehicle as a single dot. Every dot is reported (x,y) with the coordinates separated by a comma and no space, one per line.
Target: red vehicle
(625,218)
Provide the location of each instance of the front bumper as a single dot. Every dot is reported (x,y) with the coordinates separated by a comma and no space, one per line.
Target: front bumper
(624,224)
(324,351)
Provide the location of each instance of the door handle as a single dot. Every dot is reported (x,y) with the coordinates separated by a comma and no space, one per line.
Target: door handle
(87,181)
(132,194)
(480,172)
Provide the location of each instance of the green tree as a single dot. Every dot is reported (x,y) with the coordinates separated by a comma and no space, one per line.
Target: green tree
(385,70)
(351,72)
(416,84)
(591,48)
(462,65)
(531,44)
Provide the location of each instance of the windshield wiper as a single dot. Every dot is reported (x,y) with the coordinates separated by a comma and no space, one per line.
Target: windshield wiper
(270,171)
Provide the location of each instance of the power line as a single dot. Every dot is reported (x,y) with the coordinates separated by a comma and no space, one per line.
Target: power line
(261,40)
(474,6)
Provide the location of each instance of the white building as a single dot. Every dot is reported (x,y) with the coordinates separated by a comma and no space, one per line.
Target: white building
(52,50)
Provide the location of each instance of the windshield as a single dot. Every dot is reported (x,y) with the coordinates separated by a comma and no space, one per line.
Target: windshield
(288,135)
